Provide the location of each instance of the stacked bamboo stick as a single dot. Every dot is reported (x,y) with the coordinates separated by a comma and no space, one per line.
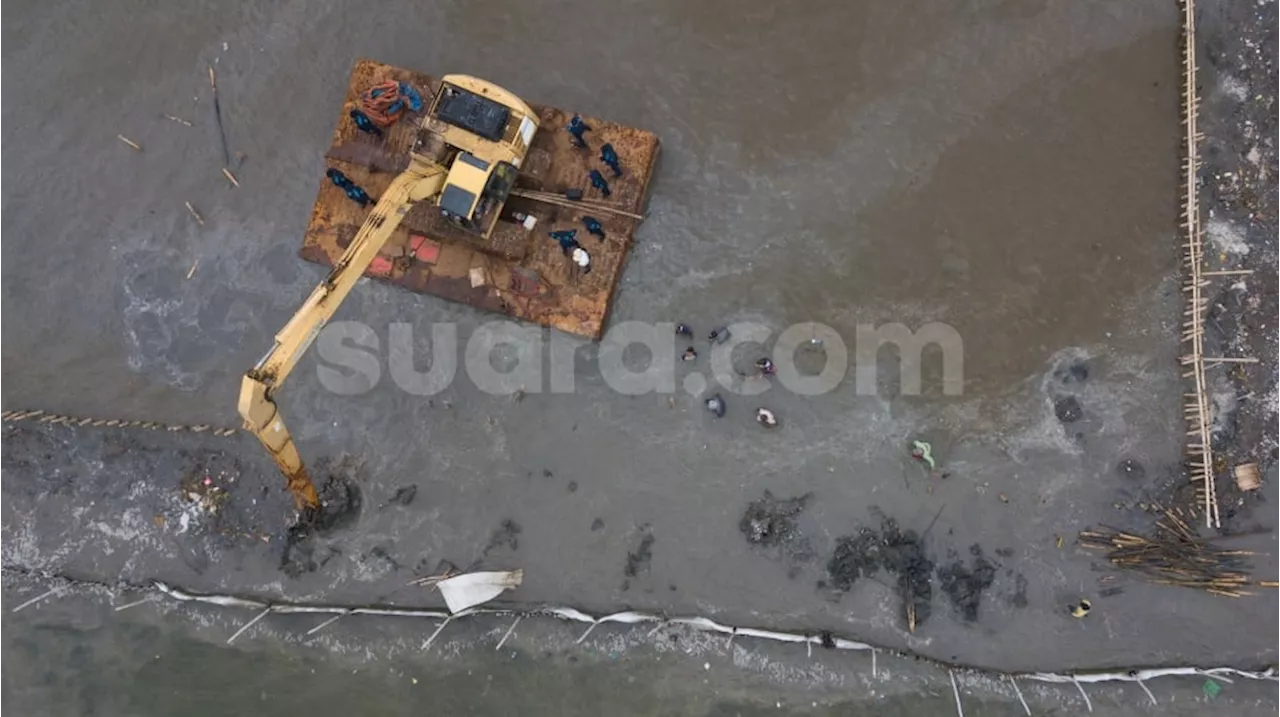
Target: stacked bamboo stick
(1175,555)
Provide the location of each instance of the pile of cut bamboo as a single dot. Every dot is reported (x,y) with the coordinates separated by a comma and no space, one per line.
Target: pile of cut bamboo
(1174,555)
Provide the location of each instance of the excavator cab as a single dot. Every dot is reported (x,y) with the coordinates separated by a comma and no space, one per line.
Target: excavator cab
(473,188)
(490,129)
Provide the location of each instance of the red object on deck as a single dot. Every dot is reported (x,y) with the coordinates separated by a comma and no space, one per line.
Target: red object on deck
(424,250)
(380,266)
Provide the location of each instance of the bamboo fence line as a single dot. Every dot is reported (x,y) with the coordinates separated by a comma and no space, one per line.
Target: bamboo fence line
(1199,420)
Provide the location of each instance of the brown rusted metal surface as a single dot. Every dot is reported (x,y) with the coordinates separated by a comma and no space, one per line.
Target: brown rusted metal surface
(525,274)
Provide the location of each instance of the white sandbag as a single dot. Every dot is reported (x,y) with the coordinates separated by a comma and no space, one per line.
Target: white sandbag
(472,589)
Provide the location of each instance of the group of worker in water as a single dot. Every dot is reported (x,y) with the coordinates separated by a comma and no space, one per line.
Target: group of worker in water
(716,403)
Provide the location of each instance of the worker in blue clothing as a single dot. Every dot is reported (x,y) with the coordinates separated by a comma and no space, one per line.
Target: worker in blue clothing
(568,239)
(594,227)
(337,177)
(354,193)
(358,195)
(576,129)
(364,124)
(598,181)
(609,156)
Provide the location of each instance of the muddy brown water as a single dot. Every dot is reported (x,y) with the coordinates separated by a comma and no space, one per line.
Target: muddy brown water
(1007,168)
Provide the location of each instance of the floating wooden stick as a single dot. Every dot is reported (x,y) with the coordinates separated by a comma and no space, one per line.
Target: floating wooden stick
(179,120)
(327,623)
(230,177)
(1228,359)
(510,630)
(217,114)
(1085,695)
(129,142)
(1013,681)
(196,215)
(248,625)
(135,603)
(35,599)
(955,690)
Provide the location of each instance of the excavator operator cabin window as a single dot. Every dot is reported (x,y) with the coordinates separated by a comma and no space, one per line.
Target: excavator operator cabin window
(501,181)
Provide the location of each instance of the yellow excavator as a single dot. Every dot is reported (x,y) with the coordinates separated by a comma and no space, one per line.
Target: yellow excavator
(468,151)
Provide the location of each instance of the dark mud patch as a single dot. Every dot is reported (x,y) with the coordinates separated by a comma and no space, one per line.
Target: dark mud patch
(638,559)
(773,523)
(1018,598)
(30,451)
(892,550)
(964,586)
(340,504)
(506,535)
(1132,469)
(404,495)
(1075,372)
(855,557)
(1068,409)
(382,554)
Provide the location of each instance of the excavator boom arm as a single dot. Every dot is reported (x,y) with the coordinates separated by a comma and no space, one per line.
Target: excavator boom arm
(421,181)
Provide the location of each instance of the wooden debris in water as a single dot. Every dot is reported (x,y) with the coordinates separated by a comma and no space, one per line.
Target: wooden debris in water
(231,177)
(129,142)
(1174,555)
(192,271)
(194,214)
(1247,477)
(217,114)
(179,120)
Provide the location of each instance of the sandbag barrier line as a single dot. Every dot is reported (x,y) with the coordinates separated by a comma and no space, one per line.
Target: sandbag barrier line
(263,609)
(54,419)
